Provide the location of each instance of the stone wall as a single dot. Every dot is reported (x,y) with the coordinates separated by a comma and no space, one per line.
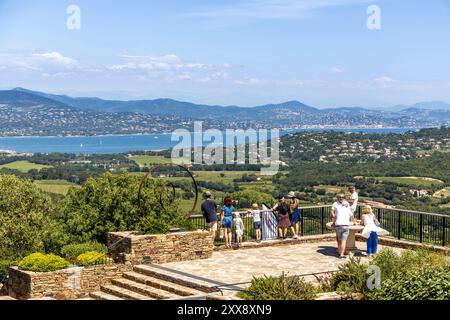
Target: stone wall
(126,247)
(64,284)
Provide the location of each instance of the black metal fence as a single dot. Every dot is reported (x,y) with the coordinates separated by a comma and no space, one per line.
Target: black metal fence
(423,227)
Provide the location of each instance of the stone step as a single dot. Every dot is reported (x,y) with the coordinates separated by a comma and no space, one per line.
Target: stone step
(100,295)
(144,289)
(176,277)
(124,293)
(162,284)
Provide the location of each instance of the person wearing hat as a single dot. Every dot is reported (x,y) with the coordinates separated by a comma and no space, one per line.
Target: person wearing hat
(209,211)
(282,208)
(256,214)
(295,211)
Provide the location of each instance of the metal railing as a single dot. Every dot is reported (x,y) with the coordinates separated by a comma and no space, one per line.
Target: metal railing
(422,227)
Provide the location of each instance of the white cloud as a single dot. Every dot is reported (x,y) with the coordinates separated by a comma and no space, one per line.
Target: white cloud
(169,67)
(55,57)
(248,81)
(336,70)
(31,61)
(384,81)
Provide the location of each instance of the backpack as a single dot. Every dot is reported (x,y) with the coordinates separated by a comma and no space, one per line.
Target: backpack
(283,209)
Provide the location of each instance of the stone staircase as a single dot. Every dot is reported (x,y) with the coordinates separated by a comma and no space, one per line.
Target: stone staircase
(151,282)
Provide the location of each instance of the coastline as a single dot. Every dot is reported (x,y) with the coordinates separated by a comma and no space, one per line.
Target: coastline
(313,128)
(129,143)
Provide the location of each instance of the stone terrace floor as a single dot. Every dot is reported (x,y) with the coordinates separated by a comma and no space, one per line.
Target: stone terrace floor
(237,267)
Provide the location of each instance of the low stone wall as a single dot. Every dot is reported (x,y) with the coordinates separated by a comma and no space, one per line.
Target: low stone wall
(72,283)
(393,242)
(282,242)
(129,248)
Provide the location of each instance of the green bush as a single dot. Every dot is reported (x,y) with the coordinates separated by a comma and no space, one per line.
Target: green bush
(279,288)
(112,202)
(4,266)
(152,225)
(27,222)
(39,262)
(426,283)
(72,251)
(91,259)
(351,278)
(410,275)
(392,264)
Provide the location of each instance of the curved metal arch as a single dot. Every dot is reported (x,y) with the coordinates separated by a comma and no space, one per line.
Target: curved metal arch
(153,169)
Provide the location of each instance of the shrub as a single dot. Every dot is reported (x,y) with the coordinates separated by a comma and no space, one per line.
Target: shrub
(4,266)
(111,202)
(279,288)
(152,225)
(392,264)
(351,278)
(39,262)
(182,221)
(26,218)
(72,251)
(91,259)
(410,275)
(426,283)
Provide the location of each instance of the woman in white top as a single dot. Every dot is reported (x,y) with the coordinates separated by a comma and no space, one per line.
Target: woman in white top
(371,230)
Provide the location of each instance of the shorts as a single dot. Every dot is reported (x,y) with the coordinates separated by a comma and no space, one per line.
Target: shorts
(257,225)
(212,226)
(227,222)
(342,232)
(296,216)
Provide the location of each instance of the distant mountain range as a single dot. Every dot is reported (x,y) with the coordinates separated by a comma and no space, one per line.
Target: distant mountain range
(27,112)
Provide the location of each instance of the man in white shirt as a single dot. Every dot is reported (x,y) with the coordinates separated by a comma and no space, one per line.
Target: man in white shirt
(342,219)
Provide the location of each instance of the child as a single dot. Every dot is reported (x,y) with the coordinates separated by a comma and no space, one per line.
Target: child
(256,221)
(371,230)
(239,226)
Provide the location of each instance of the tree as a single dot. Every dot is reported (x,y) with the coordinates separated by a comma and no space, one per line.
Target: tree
(111,203)
(247,197)
(26,219)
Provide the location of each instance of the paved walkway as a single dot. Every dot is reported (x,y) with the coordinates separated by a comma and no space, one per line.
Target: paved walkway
(240,266)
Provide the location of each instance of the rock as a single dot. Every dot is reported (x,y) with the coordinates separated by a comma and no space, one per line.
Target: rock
(65,295)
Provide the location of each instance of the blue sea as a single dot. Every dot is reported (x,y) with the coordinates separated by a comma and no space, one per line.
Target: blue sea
(125,143)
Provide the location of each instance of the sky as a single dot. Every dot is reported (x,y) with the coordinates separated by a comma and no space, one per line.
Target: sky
(325,53)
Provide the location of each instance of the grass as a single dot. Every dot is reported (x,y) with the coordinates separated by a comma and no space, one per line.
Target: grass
(23,166)
(414,181)
(331,189)
(442,193)
(445,150)
(145,161)
(54,186)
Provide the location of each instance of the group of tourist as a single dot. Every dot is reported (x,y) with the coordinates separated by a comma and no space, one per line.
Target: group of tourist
(287,215)
(343,216)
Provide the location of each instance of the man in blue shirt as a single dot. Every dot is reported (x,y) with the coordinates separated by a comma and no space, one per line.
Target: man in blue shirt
(209,210)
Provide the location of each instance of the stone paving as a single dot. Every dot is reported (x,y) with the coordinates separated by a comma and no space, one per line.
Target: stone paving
(238,267)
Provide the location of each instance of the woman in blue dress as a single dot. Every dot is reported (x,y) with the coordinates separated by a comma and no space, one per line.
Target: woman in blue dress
(227,220)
